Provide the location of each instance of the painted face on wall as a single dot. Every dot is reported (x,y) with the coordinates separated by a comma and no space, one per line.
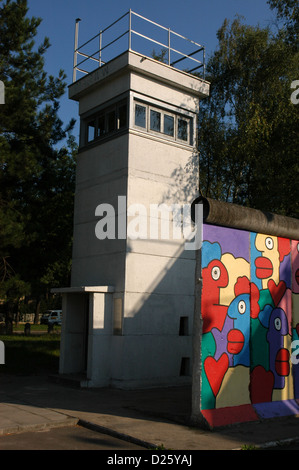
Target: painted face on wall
(278,355)
(238,337)
(267,265)
(295,266)
(214,277)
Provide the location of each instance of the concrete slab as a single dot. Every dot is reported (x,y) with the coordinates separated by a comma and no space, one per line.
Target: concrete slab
(150,418)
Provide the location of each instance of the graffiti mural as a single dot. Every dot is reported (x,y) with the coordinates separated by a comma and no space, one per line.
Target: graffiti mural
(250,316)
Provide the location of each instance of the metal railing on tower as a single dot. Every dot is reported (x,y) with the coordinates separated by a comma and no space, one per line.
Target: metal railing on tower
(125,34)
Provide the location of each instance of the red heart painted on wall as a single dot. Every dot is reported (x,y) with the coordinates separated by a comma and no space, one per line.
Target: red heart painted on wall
(277,291)
(215,371)
(261,385)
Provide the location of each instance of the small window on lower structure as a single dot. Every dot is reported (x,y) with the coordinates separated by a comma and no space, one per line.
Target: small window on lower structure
(184,326)
(185,367)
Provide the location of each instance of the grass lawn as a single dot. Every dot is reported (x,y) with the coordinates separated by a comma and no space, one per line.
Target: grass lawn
(38,327)
(31,354)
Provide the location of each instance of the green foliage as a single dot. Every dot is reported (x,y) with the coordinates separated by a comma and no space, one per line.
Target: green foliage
(161,56)
(248,126)
(249,447)
(13,288)
(287,11)
(37,172)
(33,354)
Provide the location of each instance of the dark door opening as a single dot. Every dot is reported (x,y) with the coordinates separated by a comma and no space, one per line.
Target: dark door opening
(86,331)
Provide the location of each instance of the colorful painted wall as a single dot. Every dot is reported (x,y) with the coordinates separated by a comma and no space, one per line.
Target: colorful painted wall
(250,314)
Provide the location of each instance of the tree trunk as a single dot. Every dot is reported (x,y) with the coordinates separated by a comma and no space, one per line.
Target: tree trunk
(37,309)
(17,318)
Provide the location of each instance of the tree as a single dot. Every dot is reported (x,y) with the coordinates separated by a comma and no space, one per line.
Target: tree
(44,260)
(36,172)
(248,127)
(287,11)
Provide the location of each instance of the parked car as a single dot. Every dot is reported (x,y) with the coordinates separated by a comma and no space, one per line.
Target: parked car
(55,317)
(44,318)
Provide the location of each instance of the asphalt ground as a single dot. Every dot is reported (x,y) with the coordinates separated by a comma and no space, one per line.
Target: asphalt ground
(65,438)
(148,419)
(73,438)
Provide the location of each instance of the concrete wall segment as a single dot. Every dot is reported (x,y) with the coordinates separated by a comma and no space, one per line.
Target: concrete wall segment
(139,63)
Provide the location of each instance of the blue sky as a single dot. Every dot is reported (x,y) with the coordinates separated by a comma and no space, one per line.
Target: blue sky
(197,20)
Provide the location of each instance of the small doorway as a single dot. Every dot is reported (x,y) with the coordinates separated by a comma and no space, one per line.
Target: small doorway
(85,332)
(75,334)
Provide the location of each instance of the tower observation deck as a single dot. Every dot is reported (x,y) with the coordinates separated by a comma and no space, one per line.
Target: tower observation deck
(124,34)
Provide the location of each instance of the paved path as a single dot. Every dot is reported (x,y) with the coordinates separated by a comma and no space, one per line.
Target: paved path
(146,418)
(65,438)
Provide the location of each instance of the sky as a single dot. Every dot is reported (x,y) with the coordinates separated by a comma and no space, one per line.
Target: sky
(198,20)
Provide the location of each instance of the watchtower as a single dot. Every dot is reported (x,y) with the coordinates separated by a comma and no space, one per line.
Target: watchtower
(127,316)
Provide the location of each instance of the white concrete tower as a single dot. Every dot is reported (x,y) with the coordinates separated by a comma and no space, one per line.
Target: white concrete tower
(128,313)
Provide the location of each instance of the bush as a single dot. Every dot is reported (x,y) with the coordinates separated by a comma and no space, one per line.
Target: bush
(28,355)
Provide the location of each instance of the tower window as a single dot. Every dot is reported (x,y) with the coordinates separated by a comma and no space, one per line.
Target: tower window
(101,126)
(155,121)
(174,126)
(122,116)
(107,121)
(111,121)
(91,126)
(140,116)
(169,125)
(182,129)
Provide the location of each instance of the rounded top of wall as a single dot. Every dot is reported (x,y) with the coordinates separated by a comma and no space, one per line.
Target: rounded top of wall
(245,218)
